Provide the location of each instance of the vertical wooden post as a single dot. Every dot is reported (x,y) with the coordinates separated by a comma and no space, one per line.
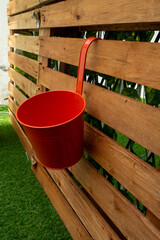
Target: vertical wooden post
(42,60)
(11,65)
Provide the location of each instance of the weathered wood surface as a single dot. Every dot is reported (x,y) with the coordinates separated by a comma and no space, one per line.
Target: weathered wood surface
(99,12)
(132,61)
(151,216)
(19,97)
(125,216)
(24,140)
(138,177)
(68,216)
(25,43)
(26,85)
(12,105)
(120,15)
(17,6)
(43,60)
(22,21)
(28,65)
(116,110)
(85,210)
(153,219)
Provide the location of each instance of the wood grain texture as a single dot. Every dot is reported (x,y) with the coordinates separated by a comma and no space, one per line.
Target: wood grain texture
(43,60)
(121,15)
(19,97)
(99,12)
(12,105)
(116,110)
(68,216)
(22,21)
(132,61)
(85,210)
(17,6)
(25,84)
(153,219)
(23,138)
(28,65)
(25,43)
(56,80)
(151,216)
(126,217)
(138,177)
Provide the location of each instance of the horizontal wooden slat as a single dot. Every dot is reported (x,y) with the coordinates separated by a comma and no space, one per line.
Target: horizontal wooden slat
(68,216)
(122,27)
(26,85)
(124,114)
(25,43)
(126,217)
(28,65)
(121,15)
(99,12)
(56,80)
(153,219)
(151,216)
(132,61)
(23,138)
(19,97)
(17,6)
(87,213)
(142,180)
(12,105)
(22,21)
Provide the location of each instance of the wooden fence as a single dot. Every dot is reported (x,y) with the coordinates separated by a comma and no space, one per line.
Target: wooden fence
(97,210)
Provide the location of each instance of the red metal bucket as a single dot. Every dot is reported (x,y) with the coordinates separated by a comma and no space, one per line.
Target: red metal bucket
(54,122)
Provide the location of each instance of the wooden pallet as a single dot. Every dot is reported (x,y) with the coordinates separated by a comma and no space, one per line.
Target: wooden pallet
(97,210)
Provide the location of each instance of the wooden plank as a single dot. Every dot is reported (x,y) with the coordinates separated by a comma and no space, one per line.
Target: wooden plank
(132,61)
(11,50)
(25,43)
(138,177)
(43,60)
(99,12)
(56,80)
(132,223)
(87,213)
(67,214)
(122,15)
(19,97)
(151,216)
(122,27)
(26,85)
(153,219)
(22,21)
(28,65)
(12,105)
(124,114)
(23,138)
(17,6)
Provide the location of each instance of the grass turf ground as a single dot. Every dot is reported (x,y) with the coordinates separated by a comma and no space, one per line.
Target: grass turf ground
(25,210)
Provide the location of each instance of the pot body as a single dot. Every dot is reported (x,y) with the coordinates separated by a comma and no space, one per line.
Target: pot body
(54,124)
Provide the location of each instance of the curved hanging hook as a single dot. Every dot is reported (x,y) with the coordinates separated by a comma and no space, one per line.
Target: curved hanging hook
(82,63)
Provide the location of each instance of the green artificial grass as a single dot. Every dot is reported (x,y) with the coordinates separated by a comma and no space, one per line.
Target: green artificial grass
(25,210)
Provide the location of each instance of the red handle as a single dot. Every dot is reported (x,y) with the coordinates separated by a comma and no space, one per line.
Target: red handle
(82,63)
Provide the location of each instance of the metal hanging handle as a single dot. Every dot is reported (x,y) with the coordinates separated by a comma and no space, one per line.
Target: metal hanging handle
(82,63)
